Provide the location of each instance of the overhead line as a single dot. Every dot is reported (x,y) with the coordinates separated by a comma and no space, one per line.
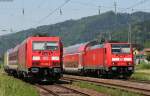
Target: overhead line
(59,7)
(95,6)
(137,4)
(87,4)
(123,9)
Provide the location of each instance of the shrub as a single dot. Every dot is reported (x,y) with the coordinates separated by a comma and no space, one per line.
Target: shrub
(143,66)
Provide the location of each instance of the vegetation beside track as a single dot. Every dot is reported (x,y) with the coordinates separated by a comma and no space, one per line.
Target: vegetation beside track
(105,90)
(10,86)
(142,66)
(142,72)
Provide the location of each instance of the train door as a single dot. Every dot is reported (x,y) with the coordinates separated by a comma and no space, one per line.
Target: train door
(80,63)
(105,57)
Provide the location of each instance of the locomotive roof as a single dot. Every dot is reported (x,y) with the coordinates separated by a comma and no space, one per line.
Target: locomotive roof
(83,46)
(55,38)
(44,38)
(79,47)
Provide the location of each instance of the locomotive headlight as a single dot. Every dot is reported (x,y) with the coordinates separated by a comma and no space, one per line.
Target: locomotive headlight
(127,59)
(113,63)
(36,58)
(55,58)
(115,59)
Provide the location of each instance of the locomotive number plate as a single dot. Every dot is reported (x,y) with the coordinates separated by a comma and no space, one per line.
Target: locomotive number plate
(121,59)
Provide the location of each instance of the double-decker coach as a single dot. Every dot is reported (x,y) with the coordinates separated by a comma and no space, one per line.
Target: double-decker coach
(36,58)
(92,58)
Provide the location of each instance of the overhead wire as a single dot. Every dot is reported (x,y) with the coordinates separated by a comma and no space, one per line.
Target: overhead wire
(91,5)
(58,8)
(95,7)
(135,5)
(108,7)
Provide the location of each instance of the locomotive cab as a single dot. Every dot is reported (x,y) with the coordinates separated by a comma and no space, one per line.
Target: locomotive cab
(45,54)
(46,59)
(120,60)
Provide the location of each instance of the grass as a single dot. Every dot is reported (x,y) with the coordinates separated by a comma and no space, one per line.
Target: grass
(10,86)
(142,66)
(142,72)
(105,90)
(140,76)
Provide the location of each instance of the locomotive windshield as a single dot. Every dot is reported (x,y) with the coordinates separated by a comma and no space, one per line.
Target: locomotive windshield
(45,45)
(120,48)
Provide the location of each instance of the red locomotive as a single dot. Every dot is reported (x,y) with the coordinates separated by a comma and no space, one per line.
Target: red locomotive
(107,59)
(37,58)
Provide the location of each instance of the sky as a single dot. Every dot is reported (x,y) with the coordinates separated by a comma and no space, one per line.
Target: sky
(17,15)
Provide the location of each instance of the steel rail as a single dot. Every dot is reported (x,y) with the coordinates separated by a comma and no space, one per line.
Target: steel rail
(61,86)
(128,88)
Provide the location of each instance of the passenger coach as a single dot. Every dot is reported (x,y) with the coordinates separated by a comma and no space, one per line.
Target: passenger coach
(92,58)
(37,58)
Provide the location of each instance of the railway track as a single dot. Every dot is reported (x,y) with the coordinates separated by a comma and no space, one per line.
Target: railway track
(141,88)
(139,81)
(60,90)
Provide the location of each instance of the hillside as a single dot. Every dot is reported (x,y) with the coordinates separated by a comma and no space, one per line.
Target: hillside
(88,28)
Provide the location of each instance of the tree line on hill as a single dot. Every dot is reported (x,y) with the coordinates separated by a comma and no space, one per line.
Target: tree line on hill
(105,26)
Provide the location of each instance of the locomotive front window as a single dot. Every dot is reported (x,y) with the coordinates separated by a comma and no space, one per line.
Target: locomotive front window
(38,46)
(120,48)
(51,46)
(45,45)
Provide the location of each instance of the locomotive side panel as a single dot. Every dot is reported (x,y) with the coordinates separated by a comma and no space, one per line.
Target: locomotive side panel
(94,59)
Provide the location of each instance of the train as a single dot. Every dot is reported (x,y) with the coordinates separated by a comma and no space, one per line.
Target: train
(36,59)
(107,60)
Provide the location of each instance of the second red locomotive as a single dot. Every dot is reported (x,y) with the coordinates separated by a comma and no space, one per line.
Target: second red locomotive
(39,58)
(107,59)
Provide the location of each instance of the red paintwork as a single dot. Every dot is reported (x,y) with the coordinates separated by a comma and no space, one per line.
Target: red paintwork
(95,58)
(110,55)
(72,60)
(25,53)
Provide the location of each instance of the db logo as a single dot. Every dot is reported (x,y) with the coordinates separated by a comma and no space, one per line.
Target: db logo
(121,59)
(45,58)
